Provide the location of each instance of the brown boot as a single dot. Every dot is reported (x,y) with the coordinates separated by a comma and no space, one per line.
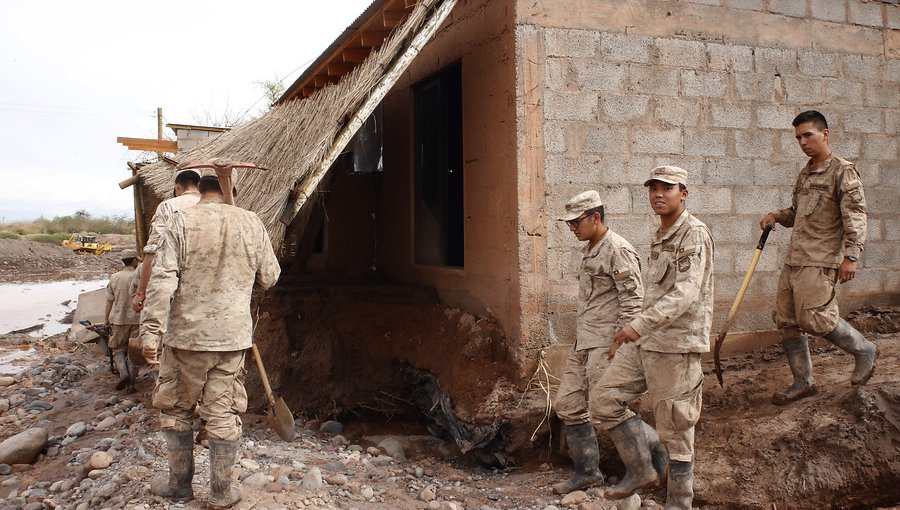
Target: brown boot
(223,493)
(181,468)
(582,442)
(796,349)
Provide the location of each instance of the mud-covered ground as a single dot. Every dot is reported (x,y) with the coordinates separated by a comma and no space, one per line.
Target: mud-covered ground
(23,260)
(838,449)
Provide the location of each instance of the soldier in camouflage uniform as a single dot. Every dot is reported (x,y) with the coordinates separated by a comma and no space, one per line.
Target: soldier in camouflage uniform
(212,257)
(186,195)
(124,320)
(658,352)
(610,295)
(828,215)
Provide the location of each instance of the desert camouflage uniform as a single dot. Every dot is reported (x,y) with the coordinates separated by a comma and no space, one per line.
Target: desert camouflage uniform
(123,318)
(828,216)
(211,258)
(674,330)
(163,216)
(610,295)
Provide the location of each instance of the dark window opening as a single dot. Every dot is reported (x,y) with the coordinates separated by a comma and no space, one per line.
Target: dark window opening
(439,220)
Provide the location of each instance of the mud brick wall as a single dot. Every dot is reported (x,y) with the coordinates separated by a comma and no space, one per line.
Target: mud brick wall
(609,89)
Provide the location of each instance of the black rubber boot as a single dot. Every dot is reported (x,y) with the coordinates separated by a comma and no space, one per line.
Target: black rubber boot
(796,349)
(223,493)
(582,442)
(104,344)
(177,487)
(120,358)
(634,449)
(680,488)
(659,456)
(850,340)
(132,376)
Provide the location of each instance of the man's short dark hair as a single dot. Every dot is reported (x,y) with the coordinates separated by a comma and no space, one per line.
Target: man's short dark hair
(210,184)
(600,210)
(813,116)
(681,187)
(188,177)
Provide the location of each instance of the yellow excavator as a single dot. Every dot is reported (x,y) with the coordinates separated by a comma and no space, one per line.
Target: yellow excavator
(86,244)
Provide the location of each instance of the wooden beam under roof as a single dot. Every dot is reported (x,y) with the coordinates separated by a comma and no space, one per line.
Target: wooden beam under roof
(148,144)
(338,69)
(372,38)
(355,55)
(391,19)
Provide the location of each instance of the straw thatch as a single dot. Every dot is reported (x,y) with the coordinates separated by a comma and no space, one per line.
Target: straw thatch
(292,139)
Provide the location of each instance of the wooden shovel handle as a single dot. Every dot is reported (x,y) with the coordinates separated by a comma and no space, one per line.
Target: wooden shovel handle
(262,372)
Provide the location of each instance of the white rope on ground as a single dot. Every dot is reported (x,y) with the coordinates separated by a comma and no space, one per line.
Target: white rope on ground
(543,379)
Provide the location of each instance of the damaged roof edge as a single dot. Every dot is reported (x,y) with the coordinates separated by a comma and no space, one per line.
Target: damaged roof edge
(337,43)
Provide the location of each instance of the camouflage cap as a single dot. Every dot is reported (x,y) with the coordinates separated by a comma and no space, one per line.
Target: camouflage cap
(128,254)
(580,204)
(668,174)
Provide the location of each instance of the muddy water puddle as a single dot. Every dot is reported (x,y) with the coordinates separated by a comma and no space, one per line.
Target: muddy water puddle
(23,305)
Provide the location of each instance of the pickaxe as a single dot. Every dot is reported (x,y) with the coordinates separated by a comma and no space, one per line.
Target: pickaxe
(223,168)
(737,302)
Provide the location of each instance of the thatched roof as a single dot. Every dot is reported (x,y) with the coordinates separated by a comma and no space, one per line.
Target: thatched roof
(292,139)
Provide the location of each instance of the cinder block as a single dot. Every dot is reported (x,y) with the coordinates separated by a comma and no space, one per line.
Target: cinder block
(729,171)
(579,169)
(724,259)
(891,121)
(891,69)
(769,261)
(775,60)
(865,13)
(637,229)
(775,116)
(616,199)
(570,43)
(883,94)
(594,138)
(867,120)
(627,48)
(870,173)
(874,230)
(881,254)
(829,10)
(681,53)
(730,115)
(867,283)
(656,141)
(795,8)
(844,92)
(767,172)
(710,200)
(640,199)
(730,58)
(565,105)
(880,148)
(738,230)
(678,111)
(861,67)
(754,143)
(629,170)
(814,63)
(559,74)
(601,77)
(881,198)
(609,168)
(848,145)
(757,201)
(748,5)
(802,90)
(754,86)
(556,135)
(653,80)
(624,109)
(893,16)
(704,142)
(705,2)
(703,84)
(788,145)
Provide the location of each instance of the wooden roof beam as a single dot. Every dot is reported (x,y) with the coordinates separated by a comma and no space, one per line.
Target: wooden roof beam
(338,69)
(355,55)
(372,38)
(390,19)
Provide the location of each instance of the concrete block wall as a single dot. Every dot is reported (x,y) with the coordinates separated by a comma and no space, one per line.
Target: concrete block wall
(631,85)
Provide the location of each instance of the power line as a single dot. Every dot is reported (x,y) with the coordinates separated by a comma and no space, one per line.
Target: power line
(82,114)
(69,107)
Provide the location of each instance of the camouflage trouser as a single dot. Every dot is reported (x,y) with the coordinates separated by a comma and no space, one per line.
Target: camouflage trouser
(806,301)
(674,383)
(215,379)
(118,339)
(579,379)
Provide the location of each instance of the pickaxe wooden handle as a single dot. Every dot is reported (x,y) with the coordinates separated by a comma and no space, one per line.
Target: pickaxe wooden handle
(737,302)
(223,168)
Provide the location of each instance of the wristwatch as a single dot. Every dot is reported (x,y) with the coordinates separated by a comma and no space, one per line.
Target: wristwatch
(852,258)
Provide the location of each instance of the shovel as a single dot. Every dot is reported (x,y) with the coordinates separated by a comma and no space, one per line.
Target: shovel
(279,416)
(737,302)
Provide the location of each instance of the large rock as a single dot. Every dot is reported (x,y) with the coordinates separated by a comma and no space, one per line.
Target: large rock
(24,447)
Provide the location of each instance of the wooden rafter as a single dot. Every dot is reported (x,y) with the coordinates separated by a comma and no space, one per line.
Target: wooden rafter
(148,144)
(338,69)
(355,55)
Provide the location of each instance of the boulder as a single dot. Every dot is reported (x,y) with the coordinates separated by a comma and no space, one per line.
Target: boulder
(24,447)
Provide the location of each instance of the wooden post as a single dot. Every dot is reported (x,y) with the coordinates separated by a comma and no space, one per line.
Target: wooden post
(159,130)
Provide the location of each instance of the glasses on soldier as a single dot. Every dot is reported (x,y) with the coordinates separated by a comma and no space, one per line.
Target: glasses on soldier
(576,221)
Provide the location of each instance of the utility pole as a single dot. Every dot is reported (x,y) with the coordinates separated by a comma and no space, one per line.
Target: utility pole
(159,130)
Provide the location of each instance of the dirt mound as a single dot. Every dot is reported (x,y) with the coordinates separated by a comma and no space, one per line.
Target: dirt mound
(22,260)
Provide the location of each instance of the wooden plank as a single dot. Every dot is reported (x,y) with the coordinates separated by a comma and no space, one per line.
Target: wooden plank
(148,144)
(372,38)
(338,69)
(356,55)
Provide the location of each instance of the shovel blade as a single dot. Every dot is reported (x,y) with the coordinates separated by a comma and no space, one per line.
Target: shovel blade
(281,419)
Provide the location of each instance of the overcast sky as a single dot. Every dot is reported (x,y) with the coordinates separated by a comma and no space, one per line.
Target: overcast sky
(78,74)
